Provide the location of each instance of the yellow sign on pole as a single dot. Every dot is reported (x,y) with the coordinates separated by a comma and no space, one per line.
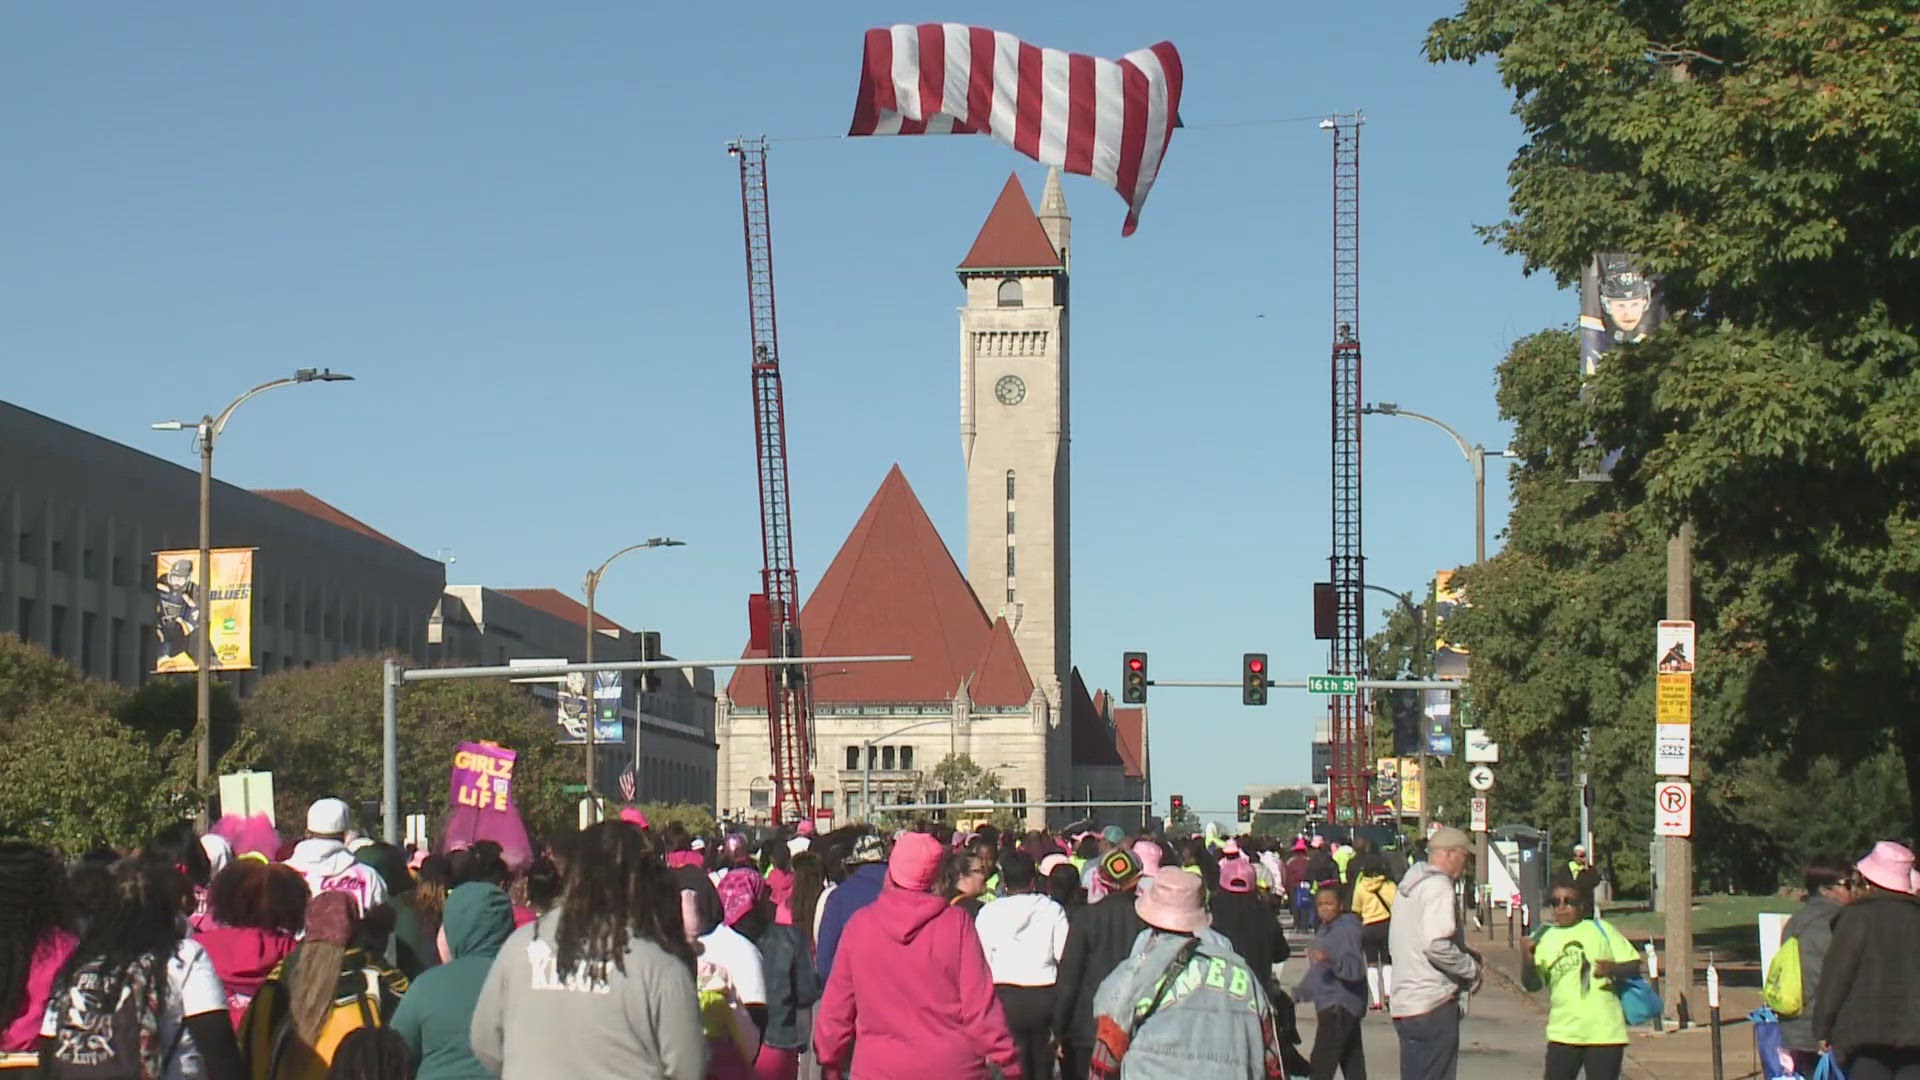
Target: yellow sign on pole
(181,613)
(1412,795)
(1673,699)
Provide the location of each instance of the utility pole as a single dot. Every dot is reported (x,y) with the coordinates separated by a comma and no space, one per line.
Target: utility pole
(593,697)
(1676,896)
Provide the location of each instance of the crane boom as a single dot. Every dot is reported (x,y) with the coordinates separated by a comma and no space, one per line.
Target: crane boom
(1347,787)
(774,613)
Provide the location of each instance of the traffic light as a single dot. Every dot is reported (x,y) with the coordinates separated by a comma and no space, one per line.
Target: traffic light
(650,650)
(1325,609)
(1253,679)
(1176,805)
(1313,806)
(1246,809)
(1133,678)
(1404,706)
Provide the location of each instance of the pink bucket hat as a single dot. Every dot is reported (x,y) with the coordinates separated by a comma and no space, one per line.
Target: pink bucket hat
(1048,864)
(1888,865)
(915,861)
(1149,855)
(1174,904)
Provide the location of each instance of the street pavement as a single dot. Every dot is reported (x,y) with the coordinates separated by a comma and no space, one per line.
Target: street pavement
(1503,1036)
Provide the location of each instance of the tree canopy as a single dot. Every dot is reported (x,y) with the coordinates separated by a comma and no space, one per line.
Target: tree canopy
(1758,158)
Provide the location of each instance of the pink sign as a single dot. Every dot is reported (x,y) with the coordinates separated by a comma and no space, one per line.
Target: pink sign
(480,789)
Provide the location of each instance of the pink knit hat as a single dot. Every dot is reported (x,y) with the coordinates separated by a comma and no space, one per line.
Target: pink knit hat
(1888,865)
(1149,855)
(915,861)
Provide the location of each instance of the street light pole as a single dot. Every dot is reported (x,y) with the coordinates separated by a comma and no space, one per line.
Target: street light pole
(207,430)
(593,699)
(1476,455)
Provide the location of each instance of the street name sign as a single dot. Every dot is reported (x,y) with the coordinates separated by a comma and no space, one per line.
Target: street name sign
(1673,808)
(1333,684)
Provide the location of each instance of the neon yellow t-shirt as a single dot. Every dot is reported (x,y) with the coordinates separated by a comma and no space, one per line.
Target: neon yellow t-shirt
(1584,1009)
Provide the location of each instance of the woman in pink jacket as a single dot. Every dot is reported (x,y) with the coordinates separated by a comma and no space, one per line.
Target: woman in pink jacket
(910,985)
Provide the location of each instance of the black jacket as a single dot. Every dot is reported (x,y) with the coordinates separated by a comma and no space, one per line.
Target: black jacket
(1099,936)
(1243,919)
(1871,977)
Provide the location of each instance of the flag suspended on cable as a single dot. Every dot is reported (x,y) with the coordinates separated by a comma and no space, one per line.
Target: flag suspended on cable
(1108,119)
(626,783)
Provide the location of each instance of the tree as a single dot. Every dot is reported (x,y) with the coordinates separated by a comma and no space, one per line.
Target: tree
(318,730)
(1757,159)
(71,775)
(1280,824)
(169,705)
(962,778)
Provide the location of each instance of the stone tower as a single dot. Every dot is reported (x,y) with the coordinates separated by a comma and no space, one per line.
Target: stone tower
(1013,427)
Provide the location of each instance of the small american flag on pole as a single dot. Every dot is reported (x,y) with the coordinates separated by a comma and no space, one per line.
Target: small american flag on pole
(1108,119)
(626,783)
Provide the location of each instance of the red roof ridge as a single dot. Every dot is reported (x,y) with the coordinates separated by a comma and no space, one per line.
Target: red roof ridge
(1012,238)
(1000,676)
(561,606)
(1093,740)
(313,506)
(1129,729)
(893,587)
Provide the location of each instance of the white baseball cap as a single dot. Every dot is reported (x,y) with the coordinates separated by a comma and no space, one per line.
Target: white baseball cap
(328,817)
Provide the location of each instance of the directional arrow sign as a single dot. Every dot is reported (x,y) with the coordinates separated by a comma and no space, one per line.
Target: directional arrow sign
(1333,684)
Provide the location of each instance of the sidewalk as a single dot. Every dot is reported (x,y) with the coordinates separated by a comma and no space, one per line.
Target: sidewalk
(1651,1055)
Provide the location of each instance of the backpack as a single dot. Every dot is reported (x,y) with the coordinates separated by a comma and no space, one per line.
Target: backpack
(1783,991)
(108,1028)
(293,1059)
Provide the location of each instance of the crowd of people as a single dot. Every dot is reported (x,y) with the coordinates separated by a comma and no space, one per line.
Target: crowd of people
(629,951)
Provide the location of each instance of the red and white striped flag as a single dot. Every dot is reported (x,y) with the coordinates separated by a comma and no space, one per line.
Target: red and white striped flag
(1108,119)
(626,782)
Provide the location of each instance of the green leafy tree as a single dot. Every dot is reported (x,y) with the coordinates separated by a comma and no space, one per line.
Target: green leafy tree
(962,778)
(697,819)
(72,776)
(318,730)
(1757,158)
(1280,824)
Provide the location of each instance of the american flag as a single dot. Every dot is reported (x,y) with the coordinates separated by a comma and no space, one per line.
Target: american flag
(626,783)
(1108,119)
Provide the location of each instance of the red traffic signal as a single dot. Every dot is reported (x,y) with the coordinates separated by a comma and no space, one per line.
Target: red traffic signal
(1133,678)
(1176,805)
(1246,808)
(1253,679)
(1313,804)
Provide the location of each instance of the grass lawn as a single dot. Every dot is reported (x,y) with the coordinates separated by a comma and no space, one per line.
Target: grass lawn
(1726,924)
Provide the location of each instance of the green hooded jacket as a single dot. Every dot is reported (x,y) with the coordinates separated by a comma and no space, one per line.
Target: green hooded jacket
(436,1016)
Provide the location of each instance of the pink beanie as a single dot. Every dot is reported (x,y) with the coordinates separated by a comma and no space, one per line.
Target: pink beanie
(1149,855)
(915,861)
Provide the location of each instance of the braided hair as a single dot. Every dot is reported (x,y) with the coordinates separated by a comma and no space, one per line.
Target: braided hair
(616,888)
(34,903)
(139,924)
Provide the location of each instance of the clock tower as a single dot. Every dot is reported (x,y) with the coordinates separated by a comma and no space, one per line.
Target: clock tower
(1013,426)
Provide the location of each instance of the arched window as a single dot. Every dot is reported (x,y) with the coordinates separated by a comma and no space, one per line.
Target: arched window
(1010,295)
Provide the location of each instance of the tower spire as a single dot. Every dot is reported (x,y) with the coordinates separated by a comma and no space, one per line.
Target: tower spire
(1054,217)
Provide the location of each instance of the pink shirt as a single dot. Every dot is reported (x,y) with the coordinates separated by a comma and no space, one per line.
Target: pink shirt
(23,1031)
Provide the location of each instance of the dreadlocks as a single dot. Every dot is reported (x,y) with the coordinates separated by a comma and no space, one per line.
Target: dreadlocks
(616,888)
(33,904)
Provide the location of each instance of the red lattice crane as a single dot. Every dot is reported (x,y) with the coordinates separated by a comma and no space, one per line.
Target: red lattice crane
(1347,787)
(774,612)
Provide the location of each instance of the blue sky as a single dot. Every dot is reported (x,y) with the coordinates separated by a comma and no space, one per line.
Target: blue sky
(517,226)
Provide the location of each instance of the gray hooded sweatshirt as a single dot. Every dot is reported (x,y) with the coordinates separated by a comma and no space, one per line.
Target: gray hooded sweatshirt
(533,1021)
(1431,962)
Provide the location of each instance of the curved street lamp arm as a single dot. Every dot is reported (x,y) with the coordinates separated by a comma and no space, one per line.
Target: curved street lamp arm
(1466,448)
(214,426)
(909,727)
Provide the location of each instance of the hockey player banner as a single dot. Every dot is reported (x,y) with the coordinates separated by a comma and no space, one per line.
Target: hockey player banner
(181,614)
(1619,305)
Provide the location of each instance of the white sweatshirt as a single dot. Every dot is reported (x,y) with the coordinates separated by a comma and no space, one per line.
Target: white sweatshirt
(1024,936)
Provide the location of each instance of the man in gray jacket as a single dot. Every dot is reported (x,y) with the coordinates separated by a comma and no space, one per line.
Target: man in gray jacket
(1431,962)
(1827,881)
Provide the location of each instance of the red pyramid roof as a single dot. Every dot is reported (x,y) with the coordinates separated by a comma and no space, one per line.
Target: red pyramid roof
(1093,742)
(313,506)
(1130,728)
(1012,238)
(1000,677)
(893,588)
(561,606)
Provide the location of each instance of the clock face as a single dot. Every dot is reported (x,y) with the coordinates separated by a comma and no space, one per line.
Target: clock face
(1010,390)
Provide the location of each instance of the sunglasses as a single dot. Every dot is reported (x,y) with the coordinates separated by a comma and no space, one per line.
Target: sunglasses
(1563,901)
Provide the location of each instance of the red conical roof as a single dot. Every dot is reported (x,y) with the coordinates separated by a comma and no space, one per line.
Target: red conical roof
(1012,238)
(1000,677)
(893,588)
